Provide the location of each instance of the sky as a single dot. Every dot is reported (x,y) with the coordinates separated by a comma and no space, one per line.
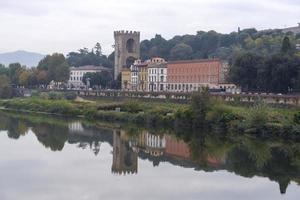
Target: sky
(48,26)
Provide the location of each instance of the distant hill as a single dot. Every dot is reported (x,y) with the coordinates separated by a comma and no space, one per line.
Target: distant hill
(29,59)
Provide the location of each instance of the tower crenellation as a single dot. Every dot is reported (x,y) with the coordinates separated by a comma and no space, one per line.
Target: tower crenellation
(122,32)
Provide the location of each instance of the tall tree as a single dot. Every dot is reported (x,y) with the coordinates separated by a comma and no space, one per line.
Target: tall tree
(281,73)
(5,87)
(24,78)
(86,57)
(286,45)
(244,70)
(56,67)
(3,70)
(14,72)
(98,49)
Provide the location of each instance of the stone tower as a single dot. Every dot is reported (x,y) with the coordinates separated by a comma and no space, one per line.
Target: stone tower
(127,49)
(125,160)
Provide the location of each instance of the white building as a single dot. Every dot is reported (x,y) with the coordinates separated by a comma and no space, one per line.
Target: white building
(77,73)
(157,75)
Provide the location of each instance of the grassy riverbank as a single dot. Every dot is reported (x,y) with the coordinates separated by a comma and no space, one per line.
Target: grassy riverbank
(202,114)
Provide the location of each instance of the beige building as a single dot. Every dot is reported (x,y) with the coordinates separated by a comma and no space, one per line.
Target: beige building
(126,79)
(77,73)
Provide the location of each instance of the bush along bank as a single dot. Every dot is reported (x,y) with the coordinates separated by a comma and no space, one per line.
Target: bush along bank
(203,113)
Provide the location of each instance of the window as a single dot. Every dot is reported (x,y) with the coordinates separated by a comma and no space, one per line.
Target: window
(162,79)
(161,87)
(162,71)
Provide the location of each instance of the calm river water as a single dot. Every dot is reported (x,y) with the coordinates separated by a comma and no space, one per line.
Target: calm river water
(55,158)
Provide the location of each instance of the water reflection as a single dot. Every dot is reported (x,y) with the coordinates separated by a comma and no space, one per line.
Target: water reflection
(244,156)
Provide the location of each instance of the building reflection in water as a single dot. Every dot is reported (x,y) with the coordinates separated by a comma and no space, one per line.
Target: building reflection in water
(124,158)
(156,148)
(76,127)
(244,156)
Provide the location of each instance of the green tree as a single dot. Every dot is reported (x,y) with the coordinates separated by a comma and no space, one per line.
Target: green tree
(5,87)
(98,49)
(244,70)
(103,79)
(117,84)
(181,52)
(286,45)
(14,72)
(86,57)
(42,77)
(94,79)
(281,73)
(200,106)
(24,78)
(56,67)
(4,70)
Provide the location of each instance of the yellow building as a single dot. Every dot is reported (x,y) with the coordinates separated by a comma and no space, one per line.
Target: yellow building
(126,79)
(142,76)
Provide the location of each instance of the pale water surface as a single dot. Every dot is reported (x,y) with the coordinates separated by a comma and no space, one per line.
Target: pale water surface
(43,159)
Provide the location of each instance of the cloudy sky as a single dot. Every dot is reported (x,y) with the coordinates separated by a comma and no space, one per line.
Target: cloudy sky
(48,26)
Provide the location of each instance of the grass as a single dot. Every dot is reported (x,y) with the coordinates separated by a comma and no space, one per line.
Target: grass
(223,117)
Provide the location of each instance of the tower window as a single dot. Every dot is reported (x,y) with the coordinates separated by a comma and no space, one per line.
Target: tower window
(130,45)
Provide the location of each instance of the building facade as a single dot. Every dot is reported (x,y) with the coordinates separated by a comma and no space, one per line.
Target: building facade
(77,73)
(142,68)
(134,77)
(192,75)
(126,79)
(127,49)
(157,75)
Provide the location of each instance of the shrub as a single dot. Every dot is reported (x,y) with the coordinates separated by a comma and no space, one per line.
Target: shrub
(55,95)
(35,93)
(70,95)
(132,107)
(257,118)
(44,95)
(297,118)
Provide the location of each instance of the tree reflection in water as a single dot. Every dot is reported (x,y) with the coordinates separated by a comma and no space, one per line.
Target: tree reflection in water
(243,155)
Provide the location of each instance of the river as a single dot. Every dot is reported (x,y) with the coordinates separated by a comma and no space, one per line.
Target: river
(45,158)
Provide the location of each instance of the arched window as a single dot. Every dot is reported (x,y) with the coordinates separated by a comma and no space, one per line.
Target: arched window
(130,45)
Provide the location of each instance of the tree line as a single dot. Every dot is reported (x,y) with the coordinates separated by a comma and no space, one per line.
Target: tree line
(216,45)
(279,72)
(94,57)
(51,68)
